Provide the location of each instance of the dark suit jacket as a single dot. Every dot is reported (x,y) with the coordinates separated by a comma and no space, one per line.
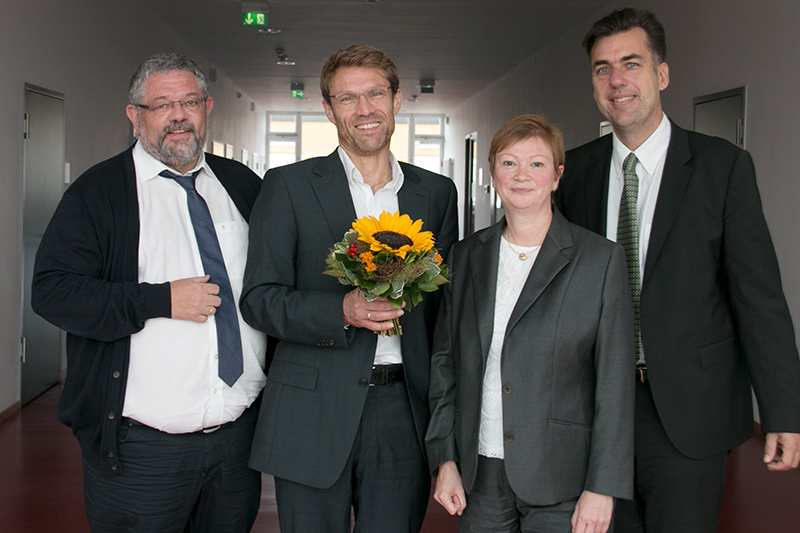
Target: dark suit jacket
(85,281)
(567,367)
(319,376)
(713,315)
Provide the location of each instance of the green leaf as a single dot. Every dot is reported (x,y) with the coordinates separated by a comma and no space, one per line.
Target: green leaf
(382,288)
(416,298)
(427,286)
(440,280)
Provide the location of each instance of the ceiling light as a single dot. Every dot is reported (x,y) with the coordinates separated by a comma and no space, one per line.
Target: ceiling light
(269,30)
(426,86)
(283,58)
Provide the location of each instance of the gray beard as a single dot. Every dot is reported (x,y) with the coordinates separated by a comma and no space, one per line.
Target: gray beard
(176,155)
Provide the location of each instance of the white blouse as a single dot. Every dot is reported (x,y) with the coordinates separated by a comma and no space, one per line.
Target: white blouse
(512,273)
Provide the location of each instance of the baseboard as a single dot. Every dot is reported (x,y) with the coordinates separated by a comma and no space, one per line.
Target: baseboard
(10,411)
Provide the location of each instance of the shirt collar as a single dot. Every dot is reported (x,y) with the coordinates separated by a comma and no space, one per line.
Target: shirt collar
(650,152)
(148,167)
(355,178)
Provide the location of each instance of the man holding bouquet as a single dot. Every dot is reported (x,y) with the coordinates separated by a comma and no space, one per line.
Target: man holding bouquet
(344,410)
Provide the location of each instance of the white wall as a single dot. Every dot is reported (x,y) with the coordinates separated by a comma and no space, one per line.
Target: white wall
(711,46)
(86,50)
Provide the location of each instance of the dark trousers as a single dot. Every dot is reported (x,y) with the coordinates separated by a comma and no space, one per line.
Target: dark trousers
(385,481)
(197,482)
(492,506)
(673,493)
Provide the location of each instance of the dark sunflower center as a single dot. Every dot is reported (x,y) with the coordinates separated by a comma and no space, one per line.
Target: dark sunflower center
(392,239)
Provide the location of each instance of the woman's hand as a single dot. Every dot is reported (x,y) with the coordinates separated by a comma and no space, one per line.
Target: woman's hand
(449,490)
(592,513)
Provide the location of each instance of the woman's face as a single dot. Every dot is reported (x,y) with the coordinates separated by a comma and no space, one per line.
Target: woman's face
(525,176)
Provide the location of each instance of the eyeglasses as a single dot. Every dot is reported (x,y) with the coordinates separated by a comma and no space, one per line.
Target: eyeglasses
(166,107)
(373,96)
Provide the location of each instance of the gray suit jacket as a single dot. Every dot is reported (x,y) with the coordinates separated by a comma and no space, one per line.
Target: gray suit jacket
(318,380)
(713,315)
(568,366)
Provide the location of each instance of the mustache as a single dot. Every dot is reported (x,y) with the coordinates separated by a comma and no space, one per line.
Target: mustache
(184,125)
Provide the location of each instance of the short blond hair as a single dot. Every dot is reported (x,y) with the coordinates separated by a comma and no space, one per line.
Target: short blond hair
(357,55)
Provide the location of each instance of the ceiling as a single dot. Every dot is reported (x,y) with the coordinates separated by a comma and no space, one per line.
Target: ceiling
(463,45)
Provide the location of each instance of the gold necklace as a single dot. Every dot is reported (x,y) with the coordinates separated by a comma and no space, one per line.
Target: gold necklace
(522,255)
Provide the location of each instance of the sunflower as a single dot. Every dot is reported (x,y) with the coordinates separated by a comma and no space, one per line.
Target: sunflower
(394,233)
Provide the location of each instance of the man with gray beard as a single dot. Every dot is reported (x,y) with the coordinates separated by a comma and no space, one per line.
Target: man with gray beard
(142,265)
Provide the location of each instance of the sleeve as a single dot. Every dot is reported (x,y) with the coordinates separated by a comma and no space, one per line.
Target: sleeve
(440,442)
(762,318)
(71,281)
(448,234)
(271,300)
(610,469)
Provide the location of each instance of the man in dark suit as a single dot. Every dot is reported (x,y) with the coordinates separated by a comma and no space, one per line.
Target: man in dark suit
(161,370)
(345,410)
(711,315)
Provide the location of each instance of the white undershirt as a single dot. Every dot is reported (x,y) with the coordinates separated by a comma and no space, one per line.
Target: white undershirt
(173,383)
(367,203)
(512,273)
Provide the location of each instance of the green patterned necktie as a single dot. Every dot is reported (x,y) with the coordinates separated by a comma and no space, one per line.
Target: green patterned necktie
(628,237)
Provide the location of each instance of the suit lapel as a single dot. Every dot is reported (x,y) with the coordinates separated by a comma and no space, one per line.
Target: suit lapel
(550,261)
(411,199)
(333,194)
(670,195)
(483,264)
(596,190)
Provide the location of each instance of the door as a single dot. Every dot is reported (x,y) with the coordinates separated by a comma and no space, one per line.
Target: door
(721,115)
(470,169)
(43,178)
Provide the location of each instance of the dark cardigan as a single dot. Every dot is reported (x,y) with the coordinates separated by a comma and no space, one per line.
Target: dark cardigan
(86,282)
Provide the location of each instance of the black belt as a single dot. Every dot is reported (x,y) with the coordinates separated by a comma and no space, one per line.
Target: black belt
(131,422)
(641,373)
(387,374)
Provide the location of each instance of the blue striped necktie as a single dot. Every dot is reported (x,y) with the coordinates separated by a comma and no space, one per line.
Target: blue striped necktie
(628,237)
(229,341)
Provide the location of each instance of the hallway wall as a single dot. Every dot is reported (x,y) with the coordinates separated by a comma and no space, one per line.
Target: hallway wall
(712,45)
(86,51)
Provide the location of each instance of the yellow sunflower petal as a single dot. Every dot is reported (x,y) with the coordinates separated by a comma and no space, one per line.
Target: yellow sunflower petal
(397,234)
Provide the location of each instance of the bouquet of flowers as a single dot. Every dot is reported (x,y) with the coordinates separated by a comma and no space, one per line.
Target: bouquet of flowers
(388,257)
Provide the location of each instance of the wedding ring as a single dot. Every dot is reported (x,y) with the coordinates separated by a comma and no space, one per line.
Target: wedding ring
(369,315)
(210,310)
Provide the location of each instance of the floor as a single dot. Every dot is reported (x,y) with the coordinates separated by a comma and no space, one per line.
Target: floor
(41,486)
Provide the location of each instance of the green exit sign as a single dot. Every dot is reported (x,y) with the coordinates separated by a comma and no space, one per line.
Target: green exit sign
(297,94)
(254,19)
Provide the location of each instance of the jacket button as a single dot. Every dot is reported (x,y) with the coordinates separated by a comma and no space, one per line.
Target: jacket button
(111,416)
(111,453)
(507,389)
(115,467)
(364,382)
(115,374)
(508,437)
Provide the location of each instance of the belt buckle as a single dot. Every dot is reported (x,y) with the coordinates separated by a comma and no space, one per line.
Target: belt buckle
(211,429)
(641,373)
(380,380)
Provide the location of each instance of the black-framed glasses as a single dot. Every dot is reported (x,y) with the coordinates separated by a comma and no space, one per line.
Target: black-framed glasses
(190,104)
(373,96)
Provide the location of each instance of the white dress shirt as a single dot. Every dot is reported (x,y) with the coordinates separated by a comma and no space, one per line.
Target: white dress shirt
(651,156)
(367,203)
(512,273)
(173,383)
